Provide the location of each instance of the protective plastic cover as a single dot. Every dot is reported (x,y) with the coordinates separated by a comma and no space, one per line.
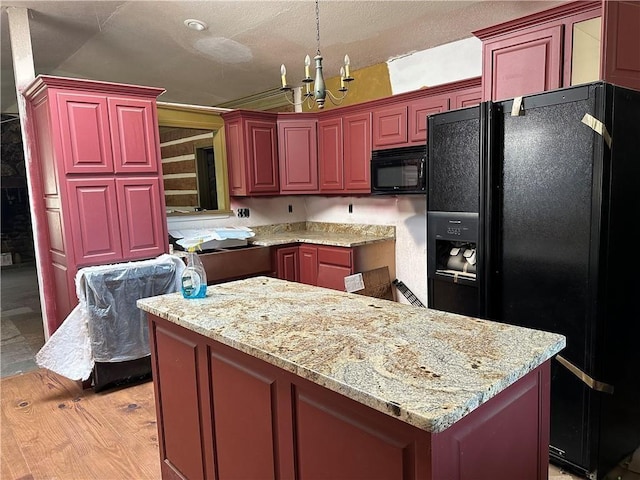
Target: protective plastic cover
(118,329)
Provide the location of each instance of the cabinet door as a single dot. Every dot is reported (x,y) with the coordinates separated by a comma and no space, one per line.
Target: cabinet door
(330,155)
(134,135)
(357,152)
(235,158)
(262,157)
(621,32)
(287,264)
(334,263)
(184,421)
(84,130)
(94,221)
(245,400)
(418,111)
(308,255)
(523,64)
(390,127)
(469,97)
(297,148)
(141,217)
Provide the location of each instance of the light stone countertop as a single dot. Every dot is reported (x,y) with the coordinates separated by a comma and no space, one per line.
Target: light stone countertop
(320,233)
(425,367)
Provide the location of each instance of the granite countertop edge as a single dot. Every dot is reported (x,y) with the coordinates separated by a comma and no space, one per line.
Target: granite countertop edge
(337,241)
(321,233)
(434,423)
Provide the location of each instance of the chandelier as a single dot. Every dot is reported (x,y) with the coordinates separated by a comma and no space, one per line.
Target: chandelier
(319,92)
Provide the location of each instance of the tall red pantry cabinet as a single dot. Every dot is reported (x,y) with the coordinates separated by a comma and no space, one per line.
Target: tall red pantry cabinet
(96,179)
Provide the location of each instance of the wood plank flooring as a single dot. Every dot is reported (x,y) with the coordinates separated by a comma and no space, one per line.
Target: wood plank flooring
(52,429)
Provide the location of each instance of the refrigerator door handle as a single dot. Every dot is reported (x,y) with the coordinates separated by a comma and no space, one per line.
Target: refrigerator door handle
(590,382)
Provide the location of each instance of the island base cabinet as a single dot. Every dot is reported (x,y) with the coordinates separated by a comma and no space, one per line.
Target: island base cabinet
(223,414)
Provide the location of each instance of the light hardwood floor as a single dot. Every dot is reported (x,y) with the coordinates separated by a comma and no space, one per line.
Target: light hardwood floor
(52,429)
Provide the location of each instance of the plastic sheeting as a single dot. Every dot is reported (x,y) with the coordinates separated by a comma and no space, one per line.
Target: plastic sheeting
(108,293)
(107,326)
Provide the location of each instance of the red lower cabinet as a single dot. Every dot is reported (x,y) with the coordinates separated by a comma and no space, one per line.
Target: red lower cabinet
(223,414)
(334,263)
(321,266)
(287,263)
(308,255)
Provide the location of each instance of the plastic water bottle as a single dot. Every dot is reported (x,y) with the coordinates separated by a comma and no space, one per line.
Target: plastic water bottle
(194,278)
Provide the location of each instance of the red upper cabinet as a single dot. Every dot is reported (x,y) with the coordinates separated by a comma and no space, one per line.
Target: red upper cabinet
(344,151)
(133,133)
(573,43)
(96,180)
(523,63)
(418,111)
(84,129)
(330,155)
(298,154)
(357,152)
(467,97)
(390,126)
(620,63)
(252,153)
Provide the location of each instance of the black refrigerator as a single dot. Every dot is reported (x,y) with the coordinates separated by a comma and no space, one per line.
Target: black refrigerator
(533,207)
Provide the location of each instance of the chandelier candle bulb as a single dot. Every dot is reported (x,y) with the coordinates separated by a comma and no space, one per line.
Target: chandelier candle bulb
(283,73)
(347,62)
(307,62)
(342,75)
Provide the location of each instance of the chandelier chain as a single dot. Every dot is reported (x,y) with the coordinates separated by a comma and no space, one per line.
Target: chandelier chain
(318,26)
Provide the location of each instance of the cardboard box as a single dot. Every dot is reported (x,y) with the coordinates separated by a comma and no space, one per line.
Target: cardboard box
(373,283)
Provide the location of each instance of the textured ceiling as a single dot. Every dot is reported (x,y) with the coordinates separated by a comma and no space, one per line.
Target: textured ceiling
(146,42)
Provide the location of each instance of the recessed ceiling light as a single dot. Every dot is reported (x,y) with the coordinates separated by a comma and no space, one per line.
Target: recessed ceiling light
(198,25)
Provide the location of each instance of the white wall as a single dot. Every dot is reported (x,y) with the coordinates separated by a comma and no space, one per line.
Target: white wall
(427,68)
(262,211)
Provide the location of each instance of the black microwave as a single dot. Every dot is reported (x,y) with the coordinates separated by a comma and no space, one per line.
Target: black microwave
(399,170)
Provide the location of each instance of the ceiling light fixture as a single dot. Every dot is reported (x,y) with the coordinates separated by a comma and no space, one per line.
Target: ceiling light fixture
(193,24)
(319,93)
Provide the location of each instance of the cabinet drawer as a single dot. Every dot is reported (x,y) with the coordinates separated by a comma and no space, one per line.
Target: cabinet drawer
(335,256)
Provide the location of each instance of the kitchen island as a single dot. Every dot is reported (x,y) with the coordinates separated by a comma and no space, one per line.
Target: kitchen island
(272,379)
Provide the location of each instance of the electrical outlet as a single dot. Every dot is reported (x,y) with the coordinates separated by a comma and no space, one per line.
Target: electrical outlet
(350,208)
(290,208)
(243,213)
